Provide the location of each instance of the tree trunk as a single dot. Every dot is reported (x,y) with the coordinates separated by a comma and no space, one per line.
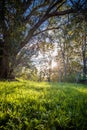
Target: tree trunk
(60,76)
(4,69)
(4,61)
(64,65)
(84,56)
(4,57)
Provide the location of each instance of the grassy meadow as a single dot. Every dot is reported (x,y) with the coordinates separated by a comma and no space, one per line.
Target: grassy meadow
(27,105)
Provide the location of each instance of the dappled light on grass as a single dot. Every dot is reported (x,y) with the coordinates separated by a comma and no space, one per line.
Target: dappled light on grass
(42,106)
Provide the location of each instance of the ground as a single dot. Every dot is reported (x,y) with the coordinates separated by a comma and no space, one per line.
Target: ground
(42,106)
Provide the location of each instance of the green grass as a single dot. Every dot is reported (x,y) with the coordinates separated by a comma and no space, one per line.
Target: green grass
(27,105)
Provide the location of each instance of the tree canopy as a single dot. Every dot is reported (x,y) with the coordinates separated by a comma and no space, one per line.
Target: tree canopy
(21,20)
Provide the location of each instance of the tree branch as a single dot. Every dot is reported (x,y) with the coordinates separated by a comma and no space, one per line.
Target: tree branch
(33,11)
(44,18)
(52,5)
(53,28)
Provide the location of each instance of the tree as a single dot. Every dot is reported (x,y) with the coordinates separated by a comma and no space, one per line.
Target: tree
(44,60)
(70,42)
(78,37)
(15,15)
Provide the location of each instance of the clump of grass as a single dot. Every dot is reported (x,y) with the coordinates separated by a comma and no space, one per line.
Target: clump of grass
(42,106)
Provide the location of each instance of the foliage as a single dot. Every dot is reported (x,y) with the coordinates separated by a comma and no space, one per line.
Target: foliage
(21,20)
(42,106)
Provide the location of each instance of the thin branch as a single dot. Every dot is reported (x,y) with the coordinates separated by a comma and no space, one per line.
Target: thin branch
(26,5)
(53,28)
(69,11)
(73,3)
(60,5)
(83,3)
(53,5)
(34,9)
